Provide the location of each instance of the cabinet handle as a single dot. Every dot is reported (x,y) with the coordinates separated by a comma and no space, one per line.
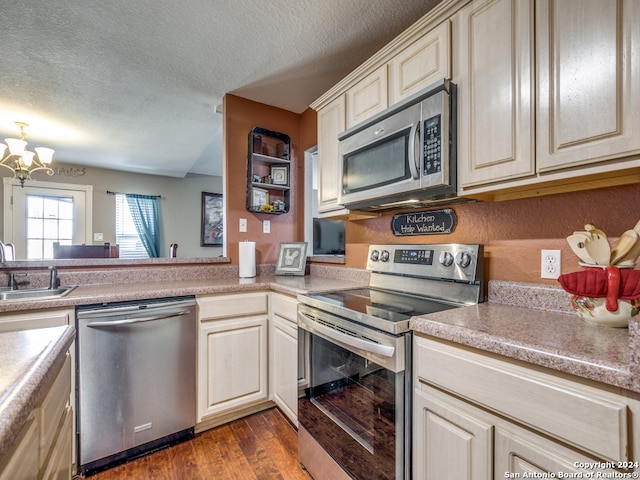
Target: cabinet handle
(413,136)
(129,321)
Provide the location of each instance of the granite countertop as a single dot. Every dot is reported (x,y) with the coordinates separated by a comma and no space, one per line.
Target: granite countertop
(558,339)
(30,360)
(100,293)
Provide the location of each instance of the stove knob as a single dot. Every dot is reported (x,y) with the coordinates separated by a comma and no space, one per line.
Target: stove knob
(463,259)
(374,255)
(445,258)
(384,255)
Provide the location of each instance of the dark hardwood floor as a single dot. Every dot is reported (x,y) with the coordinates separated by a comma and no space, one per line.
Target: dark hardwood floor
(261,446)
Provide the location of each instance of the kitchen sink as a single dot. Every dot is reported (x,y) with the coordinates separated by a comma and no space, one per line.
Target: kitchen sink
(6,294)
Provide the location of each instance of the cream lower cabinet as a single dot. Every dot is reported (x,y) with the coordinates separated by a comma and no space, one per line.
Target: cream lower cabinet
(478,416)
(283,354)
(42,449)
(28,320)
(232,353)
(15,321)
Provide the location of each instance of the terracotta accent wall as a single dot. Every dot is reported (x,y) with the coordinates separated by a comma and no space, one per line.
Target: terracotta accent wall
(513,232)
(240,116)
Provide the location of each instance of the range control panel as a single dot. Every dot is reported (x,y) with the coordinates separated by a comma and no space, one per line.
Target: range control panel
(447,261)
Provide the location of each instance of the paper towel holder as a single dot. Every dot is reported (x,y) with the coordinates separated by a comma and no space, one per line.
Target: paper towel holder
(292,258)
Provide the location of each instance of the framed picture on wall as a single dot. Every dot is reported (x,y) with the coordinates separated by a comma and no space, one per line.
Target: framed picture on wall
(212,220)
(280,175)
(292,259)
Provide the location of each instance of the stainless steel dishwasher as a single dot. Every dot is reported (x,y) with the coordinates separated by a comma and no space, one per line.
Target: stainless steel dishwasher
(136,385)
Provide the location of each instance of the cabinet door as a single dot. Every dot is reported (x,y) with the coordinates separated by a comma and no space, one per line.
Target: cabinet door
(495,91)
(588,66)
(519,452)
(367,97)
(449,443)
(421,64)
(21,460)
(283,348)
(13,322)
(331,122)
(232,369)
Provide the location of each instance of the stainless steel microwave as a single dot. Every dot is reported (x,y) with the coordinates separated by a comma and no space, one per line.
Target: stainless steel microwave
(404,156)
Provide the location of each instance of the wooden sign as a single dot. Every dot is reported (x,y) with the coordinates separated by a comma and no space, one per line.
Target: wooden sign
(432,222)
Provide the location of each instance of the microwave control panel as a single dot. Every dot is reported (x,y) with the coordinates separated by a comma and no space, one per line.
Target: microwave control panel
(432,145)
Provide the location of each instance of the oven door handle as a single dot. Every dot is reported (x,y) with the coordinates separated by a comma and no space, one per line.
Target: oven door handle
(334,335)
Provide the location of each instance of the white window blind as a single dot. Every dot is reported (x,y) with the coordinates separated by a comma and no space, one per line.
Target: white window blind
(126,234)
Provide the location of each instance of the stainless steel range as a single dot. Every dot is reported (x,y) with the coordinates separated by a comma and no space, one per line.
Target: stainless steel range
(355,412)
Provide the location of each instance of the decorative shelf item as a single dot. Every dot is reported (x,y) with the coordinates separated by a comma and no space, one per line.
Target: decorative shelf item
(268,172)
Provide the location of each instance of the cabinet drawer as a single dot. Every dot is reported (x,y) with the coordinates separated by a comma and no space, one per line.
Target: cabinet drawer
(13,322)
(239,305)
(588,417)
(285,307)
(53,408)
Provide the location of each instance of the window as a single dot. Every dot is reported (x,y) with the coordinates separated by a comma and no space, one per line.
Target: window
(40,213)
(323,236)
(127,236)
(49,220)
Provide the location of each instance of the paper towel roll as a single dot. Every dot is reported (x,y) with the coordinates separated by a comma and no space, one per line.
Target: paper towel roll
(247,254)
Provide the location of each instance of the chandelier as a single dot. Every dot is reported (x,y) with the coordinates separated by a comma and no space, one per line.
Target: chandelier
(22,162)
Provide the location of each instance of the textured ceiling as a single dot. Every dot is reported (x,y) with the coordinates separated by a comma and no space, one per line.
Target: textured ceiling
(133,84)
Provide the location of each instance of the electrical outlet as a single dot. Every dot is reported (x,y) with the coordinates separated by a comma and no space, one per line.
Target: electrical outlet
(550,264)
(98,237)
(266,226)
(243,225)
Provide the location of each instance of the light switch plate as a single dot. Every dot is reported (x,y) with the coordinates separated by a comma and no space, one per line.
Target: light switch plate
(266,226)
(243,225)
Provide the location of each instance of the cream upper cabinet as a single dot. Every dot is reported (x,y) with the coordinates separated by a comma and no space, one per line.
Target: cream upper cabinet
(331,122)
(367,97)
(588,81)
(495,91)
(422,63)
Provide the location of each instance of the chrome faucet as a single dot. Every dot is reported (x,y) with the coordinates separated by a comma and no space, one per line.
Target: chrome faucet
(53,278)
(13,283)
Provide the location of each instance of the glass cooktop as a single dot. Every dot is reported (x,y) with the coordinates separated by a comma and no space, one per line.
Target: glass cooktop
(385,310)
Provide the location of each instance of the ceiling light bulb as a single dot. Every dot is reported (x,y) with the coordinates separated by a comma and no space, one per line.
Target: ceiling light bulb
(45,155)
(27,158)
(16,146)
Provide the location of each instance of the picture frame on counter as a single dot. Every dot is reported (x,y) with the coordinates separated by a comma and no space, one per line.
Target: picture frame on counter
(212,228)
(260,198)
(292,258)
(279,175)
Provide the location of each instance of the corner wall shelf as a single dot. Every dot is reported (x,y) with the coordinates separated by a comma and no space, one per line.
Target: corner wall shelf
(268,172)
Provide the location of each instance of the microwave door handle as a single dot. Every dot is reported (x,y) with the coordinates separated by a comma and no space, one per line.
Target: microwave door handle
(413,165)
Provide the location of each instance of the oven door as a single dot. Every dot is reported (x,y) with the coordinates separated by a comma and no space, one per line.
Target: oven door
(355,405)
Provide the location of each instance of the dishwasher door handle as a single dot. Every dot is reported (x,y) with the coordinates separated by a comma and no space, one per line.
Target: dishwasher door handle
(130,321)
